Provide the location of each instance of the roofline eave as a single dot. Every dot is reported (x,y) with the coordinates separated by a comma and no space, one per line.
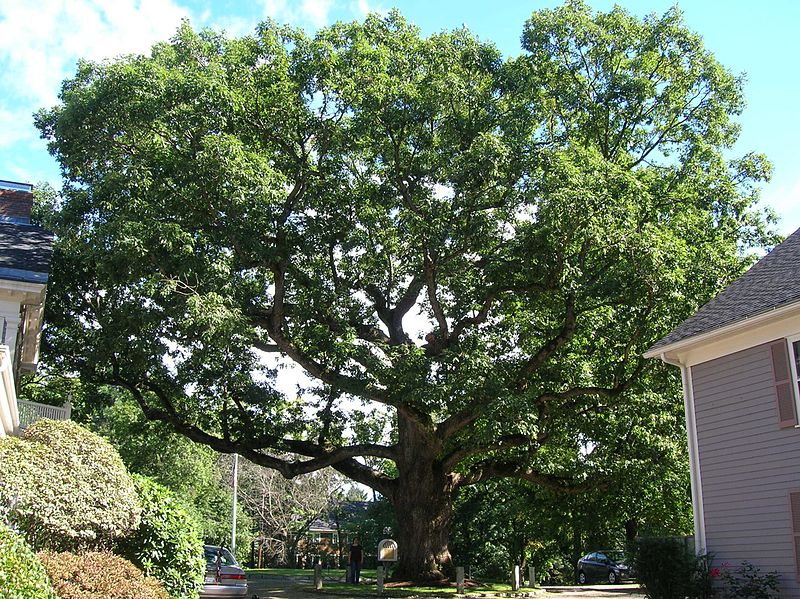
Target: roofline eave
(690,343)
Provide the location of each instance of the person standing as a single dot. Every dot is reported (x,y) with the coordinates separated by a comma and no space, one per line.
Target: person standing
(356,559)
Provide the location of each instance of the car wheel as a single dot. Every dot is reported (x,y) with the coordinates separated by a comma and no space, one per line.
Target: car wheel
(581,577)
(612,577)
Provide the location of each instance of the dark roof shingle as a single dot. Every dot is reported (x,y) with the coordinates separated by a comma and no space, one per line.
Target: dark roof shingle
(772,282)
(25,252)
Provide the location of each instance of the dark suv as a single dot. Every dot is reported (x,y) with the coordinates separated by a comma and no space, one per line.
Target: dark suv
(603,565)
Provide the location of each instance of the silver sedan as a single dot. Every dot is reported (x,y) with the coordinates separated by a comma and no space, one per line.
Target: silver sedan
(224,577)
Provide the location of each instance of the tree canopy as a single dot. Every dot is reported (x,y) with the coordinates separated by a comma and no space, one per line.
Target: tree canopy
(482,247)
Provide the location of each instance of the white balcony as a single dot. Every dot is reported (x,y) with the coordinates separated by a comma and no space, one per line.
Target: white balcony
(16,414)
(31,411)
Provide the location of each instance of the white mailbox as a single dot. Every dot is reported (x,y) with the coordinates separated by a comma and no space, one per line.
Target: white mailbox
(387,551)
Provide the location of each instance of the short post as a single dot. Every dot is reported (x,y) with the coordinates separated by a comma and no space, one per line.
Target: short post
(318,576)
(460,580)
(380,579)
(531,577)
(515,576)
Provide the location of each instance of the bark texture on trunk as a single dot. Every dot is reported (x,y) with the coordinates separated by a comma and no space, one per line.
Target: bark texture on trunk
(423,503)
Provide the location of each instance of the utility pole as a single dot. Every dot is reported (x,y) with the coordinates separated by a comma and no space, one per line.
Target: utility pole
(235,489)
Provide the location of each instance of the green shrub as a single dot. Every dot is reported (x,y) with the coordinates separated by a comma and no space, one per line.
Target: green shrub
(22,575)
(69,487)
(167,544)
(747,582)
(665,567)
(99,574)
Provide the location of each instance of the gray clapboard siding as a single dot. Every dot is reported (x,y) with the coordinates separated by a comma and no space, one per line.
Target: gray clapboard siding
(748,464)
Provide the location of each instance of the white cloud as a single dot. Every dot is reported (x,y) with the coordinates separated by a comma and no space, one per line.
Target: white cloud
(232,26)
(362,8)
(40,42)
(280,10)
(16,127)
(317,11)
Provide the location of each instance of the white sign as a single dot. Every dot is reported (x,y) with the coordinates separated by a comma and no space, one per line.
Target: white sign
(387,551)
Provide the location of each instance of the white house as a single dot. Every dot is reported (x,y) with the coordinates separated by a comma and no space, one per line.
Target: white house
(739,357)
(25,252)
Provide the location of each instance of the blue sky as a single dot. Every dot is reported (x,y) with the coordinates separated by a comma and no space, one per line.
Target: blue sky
(40,41)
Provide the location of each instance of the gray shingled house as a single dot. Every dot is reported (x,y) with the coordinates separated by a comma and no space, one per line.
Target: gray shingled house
(739,357)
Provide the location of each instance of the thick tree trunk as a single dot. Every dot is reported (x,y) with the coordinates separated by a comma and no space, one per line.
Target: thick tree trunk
(423,504)
(631,529)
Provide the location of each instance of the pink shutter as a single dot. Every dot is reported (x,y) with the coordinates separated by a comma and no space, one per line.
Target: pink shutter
(784,385)
(794,511)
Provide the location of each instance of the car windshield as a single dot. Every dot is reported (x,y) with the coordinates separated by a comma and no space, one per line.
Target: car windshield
(616,556)
(226,559)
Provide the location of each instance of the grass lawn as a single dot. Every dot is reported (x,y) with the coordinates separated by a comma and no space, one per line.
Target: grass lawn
(331,581)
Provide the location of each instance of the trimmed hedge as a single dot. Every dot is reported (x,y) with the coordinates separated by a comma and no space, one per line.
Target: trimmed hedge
(167,544)
(99,574)
(22,575)
(70,487)
(668,569)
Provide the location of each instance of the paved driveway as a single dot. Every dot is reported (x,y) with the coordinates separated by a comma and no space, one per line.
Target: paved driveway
(619,591)
(276,587)
(284,587)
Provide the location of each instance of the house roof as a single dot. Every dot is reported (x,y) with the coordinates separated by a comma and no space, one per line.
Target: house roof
(321,526)
(25,252)
(771,283)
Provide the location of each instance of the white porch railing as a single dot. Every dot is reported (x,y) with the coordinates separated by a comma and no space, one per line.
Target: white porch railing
(31,411)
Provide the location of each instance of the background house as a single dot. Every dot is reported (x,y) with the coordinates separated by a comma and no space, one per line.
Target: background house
(739,357)
(25,253)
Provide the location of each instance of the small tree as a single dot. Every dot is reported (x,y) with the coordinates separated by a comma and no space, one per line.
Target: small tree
(167,543)
(284,509)
(666,568)
(194,473)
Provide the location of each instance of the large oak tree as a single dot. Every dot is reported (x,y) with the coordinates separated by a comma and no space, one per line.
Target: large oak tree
(480,247)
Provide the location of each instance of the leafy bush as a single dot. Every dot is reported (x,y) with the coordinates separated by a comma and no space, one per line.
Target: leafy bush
(666,568)
(22,575)
(494,563)
(195,473)
(69,487)
(747,582)
(99,574)
(167,544)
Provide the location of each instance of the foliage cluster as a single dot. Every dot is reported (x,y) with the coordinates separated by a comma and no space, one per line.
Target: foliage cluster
(196,475)
(167,544)
(69,487)
(370,521)
(667,568)
(499,524)
(283,510)
(22,575)
(747,582)
(99,574)
(66,488)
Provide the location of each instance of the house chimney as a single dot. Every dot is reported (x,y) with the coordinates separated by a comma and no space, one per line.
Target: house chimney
(16,202)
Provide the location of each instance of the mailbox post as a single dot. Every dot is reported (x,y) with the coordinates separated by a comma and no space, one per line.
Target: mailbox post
(387,552)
